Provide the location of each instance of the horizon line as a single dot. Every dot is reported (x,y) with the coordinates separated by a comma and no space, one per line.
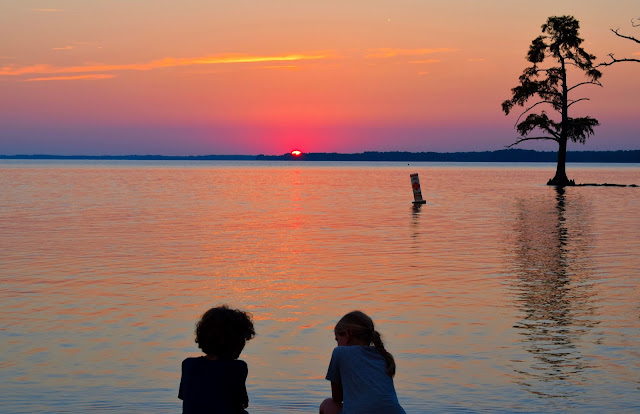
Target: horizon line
(303,153)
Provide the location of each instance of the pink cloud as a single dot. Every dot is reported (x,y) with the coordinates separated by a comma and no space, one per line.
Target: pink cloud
(382,53)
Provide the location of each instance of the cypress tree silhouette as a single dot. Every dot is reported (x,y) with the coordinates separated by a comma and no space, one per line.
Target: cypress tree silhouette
(560,45)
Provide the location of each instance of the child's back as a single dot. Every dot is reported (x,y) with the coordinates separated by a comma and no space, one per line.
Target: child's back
(213,386)
(366,386)
(215,383)
(361,370)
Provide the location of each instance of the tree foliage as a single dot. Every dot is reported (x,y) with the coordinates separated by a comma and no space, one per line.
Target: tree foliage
(544,85)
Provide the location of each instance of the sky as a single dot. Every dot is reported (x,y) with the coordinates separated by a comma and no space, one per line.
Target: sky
(195,77)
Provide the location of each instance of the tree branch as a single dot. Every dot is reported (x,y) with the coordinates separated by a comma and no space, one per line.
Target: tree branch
(538,70)
(626,37)
(614,60)
(584,83)
(578,100)
(634,23)
(530,108)
(519,140)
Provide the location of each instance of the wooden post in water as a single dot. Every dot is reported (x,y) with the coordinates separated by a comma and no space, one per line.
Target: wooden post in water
(417,193)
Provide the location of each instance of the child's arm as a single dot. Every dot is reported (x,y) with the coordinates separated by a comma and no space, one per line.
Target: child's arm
(336,392)
(244,372)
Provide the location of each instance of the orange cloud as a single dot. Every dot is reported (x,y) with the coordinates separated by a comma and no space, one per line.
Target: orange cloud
(476,60)
(47,10)
(160,63)
(278,67)
(383,53)
(63,48)
(77,77)
(425,61)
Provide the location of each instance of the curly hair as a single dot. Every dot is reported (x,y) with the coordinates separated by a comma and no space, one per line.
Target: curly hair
(222,332)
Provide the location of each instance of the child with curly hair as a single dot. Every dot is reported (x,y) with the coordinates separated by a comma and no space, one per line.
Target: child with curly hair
(215,382)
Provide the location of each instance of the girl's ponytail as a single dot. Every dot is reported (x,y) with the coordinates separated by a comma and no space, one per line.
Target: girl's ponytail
(391,363)
(361,327)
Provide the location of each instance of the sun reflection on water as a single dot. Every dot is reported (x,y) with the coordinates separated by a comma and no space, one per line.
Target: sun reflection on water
(494,291)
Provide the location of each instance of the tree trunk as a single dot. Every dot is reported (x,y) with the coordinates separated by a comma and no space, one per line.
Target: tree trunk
(560,179)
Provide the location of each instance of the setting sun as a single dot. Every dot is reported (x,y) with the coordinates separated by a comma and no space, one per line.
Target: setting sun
(393,79)
(296,153)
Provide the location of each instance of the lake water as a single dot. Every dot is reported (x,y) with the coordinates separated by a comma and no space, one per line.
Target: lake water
(500,295)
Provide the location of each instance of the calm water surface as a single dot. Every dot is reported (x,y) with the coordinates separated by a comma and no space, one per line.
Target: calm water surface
(499,295)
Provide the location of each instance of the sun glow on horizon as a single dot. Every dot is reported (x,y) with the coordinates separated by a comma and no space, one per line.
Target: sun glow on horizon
(109,78)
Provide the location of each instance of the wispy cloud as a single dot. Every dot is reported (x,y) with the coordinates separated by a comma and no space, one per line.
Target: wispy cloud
(160,63)
(76,77)
(426,61)
(63,48)
(48,10)
(384,53)
(278,67)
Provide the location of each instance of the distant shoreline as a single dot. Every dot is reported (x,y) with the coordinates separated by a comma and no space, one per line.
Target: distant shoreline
(506,155)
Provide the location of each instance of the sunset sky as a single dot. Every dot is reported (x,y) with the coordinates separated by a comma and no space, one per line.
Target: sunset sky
(197,77)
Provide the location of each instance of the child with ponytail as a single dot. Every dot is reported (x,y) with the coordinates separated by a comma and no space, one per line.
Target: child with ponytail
(361,370)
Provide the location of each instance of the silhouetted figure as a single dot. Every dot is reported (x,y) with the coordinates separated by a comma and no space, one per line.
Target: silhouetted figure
(215,382)
(361,375)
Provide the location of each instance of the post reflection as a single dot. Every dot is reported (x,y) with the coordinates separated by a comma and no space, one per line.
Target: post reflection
(415,220)
(553,293)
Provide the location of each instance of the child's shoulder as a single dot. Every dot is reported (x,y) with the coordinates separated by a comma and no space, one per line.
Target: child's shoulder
(238,363)
(193,360)
(351,350)
(202,360)
(355,353)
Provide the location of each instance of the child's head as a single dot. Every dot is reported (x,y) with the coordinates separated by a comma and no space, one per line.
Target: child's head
(356,328)
(222,332)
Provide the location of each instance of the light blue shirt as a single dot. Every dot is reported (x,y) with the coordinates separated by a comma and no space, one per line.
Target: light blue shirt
(366,387)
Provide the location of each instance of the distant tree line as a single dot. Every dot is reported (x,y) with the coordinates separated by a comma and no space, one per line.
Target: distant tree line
(505,155)
(129,157)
